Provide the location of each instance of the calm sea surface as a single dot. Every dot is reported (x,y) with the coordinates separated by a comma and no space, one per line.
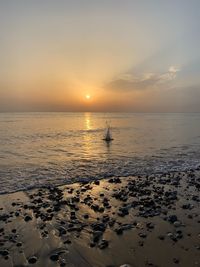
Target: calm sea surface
(55,148)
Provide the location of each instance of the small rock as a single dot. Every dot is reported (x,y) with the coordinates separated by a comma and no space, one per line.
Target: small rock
(177,224)
(92,244)
(161,237)
(32,260)
(150,225)
(97,235)
(175,260)
(62,230)
(123,211)
(172,218)
(142,235)
(104,244)
(119,231)
(4,252)
(86,216)
(54,257)
(27,218)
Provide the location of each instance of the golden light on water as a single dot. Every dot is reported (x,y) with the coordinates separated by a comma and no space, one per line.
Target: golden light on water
(88,123)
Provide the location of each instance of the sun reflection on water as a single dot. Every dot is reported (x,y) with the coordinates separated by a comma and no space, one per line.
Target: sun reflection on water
(88,142)
(88,121)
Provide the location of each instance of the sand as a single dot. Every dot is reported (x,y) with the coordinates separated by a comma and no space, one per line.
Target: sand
(139,221)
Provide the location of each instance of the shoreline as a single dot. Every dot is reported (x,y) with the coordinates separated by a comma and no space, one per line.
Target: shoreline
(91,179)
(150,220)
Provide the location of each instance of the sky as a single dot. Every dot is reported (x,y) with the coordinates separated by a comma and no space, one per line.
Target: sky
(108,55)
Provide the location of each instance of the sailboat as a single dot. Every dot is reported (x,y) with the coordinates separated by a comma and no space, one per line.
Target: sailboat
(108,135)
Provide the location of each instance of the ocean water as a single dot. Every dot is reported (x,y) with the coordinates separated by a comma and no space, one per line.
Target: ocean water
(38,149)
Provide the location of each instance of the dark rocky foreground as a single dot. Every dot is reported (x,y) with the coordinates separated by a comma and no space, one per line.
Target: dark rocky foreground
(134,221)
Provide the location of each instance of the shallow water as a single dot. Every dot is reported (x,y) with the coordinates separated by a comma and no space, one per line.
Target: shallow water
(41,148)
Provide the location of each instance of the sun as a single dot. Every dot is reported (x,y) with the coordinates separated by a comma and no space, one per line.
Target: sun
(88,97)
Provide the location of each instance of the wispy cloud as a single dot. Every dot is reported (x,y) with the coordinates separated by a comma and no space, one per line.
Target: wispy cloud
(129,82)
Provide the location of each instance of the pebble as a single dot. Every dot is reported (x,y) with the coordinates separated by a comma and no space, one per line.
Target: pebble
(175,260)
(67,241)
(4,252)
(172,218)
(177,224)
(119,231)
(123,211)
(104,244)
(63,263)
(32,260)
(142,235)
(54,257)
(27,218)
(97,235)
(161,237)
(62,230)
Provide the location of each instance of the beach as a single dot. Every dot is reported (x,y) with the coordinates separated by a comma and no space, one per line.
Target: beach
(149,220)
(99,133)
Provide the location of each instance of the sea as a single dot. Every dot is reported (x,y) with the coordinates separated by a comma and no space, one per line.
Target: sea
(42,149)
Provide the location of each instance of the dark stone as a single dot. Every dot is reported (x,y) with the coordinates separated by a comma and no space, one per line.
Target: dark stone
(172,218)
(54,257)
(175,260)
(97,235)
(111,222)
(161,237)
(92,244)
(142,235)
(27,218)
(62,230)
(150,225)
(62,264)
(119,231)
(101,209)
(115,180)
(32,260)
(104,244)
(123,211)
(4,252)
(98,227)
(95,207)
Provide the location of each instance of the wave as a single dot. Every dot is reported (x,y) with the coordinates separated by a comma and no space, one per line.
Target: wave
(19,179)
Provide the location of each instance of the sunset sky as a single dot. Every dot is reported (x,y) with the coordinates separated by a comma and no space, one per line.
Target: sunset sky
(100,55)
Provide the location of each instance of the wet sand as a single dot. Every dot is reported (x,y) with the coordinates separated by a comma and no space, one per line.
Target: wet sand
(139,221)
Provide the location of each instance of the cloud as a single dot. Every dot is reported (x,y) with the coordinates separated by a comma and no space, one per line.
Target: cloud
(173,69)
(130,82)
